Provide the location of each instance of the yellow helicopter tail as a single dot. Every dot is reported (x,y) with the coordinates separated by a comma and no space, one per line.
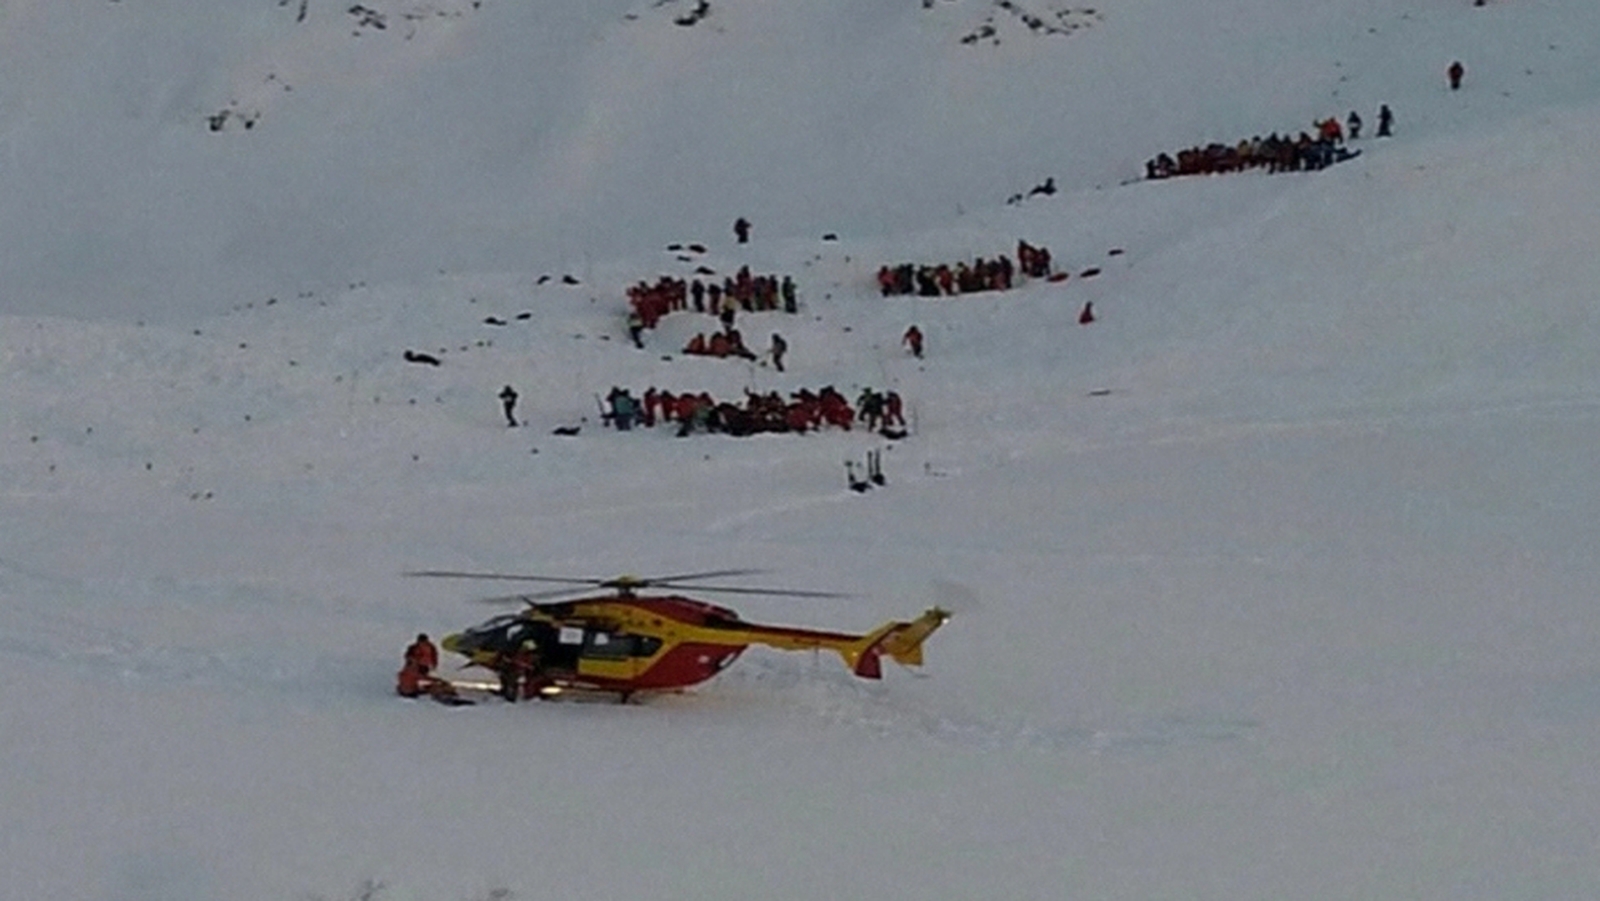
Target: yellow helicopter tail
(902,641)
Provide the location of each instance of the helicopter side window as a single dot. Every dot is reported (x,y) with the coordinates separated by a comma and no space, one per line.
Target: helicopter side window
(646,645)
(570,635)
(605,646)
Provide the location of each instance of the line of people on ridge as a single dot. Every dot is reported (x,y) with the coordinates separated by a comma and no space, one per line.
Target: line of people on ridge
(1275,153)
(944,280)
(804,411)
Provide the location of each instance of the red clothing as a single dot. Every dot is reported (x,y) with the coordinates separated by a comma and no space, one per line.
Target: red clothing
(885,280)
(423,654)
(913,340)
(411,681)
(893,413)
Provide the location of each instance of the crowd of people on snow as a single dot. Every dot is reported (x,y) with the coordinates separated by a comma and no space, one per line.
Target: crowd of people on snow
(945,280)
(804,411)
(730,343)
(742,291)
(1307,151)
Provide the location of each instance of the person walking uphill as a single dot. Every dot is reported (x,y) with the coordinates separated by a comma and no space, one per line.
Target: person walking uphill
(508,402)
(913,340)
(1456,72)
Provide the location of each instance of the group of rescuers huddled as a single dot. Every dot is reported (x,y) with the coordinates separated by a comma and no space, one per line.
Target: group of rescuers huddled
(521,675)
(804,411)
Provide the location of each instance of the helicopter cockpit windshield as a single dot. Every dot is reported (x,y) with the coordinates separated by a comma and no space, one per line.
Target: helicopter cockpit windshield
(502,633)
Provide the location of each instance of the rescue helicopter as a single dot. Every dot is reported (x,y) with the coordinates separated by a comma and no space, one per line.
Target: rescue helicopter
(626,643)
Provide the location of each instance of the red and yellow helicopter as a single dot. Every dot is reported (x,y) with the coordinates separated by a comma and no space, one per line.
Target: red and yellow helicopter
(626,643)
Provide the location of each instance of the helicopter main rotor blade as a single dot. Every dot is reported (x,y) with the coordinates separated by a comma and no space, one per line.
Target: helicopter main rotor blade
(504,600)
(504,577)
(712,574)
(769,592)
(553,593)
(529,598)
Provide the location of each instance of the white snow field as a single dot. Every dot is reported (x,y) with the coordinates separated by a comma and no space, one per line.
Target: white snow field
(1276,582)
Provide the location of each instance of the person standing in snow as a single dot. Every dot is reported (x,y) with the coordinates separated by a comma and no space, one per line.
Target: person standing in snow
(416,676)
(515,667)
(741,230)
(636,329)
(1353,125)
(1385,121)
(1456,72)
(423,654)
(787,290)
(508,402)
(779,348)
(913,340)
(893,410)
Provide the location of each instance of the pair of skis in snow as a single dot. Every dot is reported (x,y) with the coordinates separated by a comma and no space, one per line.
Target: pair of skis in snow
(871,475)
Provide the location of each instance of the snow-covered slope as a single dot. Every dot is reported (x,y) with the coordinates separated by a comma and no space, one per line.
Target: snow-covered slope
(472,135)
(1273,582)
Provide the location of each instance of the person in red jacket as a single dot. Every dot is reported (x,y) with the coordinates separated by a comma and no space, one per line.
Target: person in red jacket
(416,676)
(893,410)
(885,280)
(424,654)
(411,682)
(913,340)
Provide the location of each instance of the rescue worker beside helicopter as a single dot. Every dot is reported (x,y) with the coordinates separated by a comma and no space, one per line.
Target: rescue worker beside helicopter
(416,676)
(519,670)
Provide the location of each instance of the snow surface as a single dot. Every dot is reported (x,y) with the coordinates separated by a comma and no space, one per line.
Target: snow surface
(1276,582)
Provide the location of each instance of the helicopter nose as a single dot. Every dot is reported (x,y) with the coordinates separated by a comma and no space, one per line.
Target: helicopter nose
(455,644)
